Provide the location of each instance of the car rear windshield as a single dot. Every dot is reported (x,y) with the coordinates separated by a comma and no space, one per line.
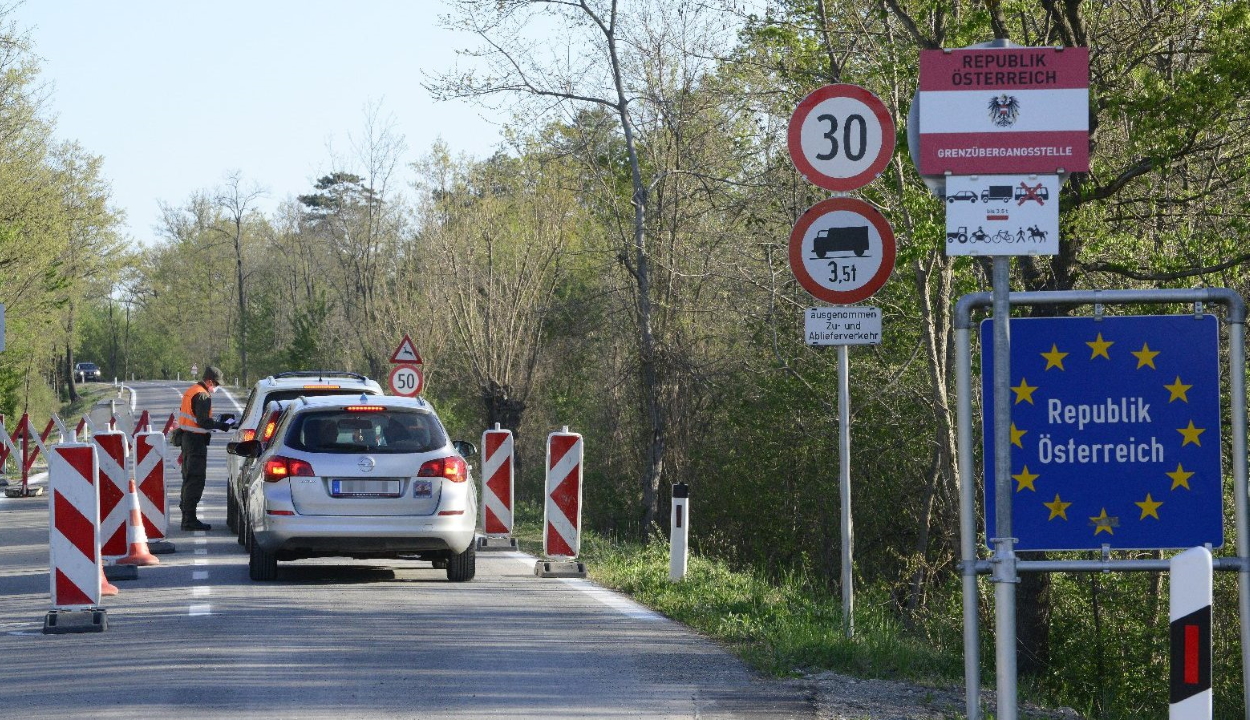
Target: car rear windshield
(374,431)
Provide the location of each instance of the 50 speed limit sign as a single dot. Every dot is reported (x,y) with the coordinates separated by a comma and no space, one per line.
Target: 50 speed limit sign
(841,137)
(407,380)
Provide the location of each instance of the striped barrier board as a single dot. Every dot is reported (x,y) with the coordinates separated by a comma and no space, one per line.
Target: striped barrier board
(1189,616)
(149,463)
(497,483)
(562,512)
(114,482)
(74,527)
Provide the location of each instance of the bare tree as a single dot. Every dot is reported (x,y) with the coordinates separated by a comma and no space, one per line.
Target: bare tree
(237,202)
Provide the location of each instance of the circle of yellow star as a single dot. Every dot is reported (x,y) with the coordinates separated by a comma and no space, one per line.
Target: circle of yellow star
(1017,434)
(1024,392)
(1025,478)
(1054,358)
(1180,478)
(1178,390)
(1149,508)
(1102,522)
(1099,347)
(1058,508)
(1191,434)
(1145,357)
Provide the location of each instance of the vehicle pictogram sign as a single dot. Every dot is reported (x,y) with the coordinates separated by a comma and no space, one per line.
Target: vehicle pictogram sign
(1002,215)
(1115,432)
(841,137)
(842,250)
(406,353)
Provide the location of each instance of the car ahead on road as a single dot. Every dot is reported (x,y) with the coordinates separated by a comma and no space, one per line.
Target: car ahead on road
(86,371)
(282,386)
(359,477)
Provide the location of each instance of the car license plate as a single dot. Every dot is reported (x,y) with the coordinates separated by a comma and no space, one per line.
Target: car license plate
(364,488)
(422,488)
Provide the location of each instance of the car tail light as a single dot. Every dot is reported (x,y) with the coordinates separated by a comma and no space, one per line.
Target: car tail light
(270,426)
(249,434)
(451,468)
(280,468)
(321,387)
(365,408)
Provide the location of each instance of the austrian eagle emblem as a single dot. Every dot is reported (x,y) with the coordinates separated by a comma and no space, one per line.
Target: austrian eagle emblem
(1004,109)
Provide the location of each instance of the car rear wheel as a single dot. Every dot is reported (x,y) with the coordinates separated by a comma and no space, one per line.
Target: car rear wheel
(232,512)
(262,566)
(462,567)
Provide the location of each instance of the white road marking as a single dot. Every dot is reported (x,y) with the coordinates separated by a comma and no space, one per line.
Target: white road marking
(205,609)
(201,591)
(623,605)
(199,575)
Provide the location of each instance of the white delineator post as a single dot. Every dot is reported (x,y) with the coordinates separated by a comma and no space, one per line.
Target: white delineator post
(562,512)
(76,576)
(497,489)
(1189,616)
(679,533)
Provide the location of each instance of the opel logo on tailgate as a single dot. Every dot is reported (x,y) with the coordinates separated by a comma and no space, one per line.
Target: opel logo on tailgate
(366,463)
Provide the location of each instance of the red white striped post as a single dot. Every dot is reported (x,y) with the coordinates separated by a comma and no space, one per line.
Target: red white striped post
(114,484)
(497,489)
(150,468)
(1189,617)
(562,513)
(76,577)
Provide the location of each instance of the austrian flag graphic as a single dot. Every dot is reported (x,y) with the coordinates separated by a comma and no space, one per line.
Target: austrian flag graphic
(1115,432)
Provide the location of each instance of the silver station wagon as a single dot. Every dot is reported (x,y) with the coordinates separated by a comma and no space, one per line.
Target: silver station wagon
(361,477)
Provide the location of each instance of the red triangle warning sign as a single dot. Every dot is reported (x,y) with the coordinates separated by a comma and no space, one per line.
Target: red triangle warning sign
(406,353)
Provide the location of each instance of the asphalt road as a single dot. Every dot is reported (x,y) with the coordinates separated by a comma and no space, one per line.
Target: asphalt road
(339,638)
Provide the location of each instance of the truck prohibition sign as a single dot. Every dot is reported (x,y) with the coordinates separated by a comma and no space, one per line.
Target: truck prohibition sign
(842,250)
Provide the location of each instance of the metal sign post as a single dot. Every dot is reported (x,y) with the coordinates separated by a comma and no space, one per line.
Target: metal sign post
(842,250)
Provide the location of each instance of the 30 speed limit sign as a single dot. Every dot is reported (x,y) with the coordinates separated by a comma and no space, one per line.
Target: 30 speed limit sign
(841,137)
(407,380)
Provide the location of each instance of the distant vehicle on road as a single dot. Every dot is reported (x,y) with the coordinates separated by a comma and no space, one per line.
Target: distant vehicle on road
(86,371)
(360,477)
(841,239)
(962,195)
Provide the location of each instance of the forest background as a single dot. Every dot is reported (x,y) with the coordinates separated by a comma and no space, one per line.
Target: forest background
(620,268)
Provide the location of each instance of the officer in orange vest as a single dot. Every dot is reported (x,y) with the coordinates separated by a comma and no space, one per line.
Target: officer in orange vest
(195,419)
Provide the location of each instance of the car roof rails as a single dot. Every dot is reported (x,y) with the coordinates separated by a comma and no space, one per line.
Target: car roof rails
(320,374)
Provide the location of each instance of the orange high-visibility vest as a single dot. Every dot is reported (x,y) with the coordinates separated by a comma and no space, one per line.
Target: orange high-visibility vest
(186,417)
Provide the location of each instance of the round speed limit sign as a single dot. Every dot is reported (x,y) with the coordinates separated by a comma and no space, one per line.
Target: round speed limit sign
(841,137)
(407,380)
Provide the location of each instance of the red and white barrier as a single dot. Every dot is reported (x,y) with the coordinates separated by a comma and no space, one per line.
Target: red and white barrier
(114,484)
(497,484)
(149,462)
(562,513)
(77,578)
(1189,620)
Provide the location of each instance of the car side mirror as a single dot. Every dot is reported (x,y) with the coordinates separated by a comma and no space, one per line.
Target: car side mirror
(467,450)
(245,448)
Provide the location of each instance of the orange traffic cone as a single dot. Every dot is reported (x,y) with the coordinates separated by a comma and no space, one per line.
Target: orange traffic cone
(136,535)
(106,588)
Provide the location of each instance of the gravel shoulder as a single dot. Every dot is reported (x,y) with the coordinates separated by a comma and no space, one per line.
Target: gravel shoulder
(841,697)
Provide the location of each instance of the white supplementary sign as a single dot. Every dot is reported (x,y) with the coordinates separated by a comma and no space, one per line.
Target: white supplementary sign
(847,325)
(1004,110)
(842,250)
(841,137)
(407,380)
(1002,215)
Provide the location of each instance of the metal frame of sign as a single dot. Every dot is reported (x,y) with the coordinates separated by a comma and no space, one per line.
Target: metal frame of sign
(1004,566)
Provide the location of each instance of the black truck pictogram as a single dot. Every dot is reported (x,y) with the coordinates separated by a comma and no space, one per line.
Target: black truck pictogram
(841,239)
(996,192)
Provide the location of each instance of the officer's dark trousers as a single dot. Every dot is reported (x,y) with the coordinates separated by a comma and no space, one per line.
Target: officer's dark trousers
(194,467)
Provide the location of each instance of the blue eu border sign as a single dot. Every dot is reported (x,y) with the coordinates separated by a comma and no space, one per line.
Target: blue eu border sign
(1115,432)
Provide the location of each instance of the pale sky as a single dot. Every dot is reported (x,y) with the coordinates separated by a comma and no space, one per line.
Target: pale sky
(176,94)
